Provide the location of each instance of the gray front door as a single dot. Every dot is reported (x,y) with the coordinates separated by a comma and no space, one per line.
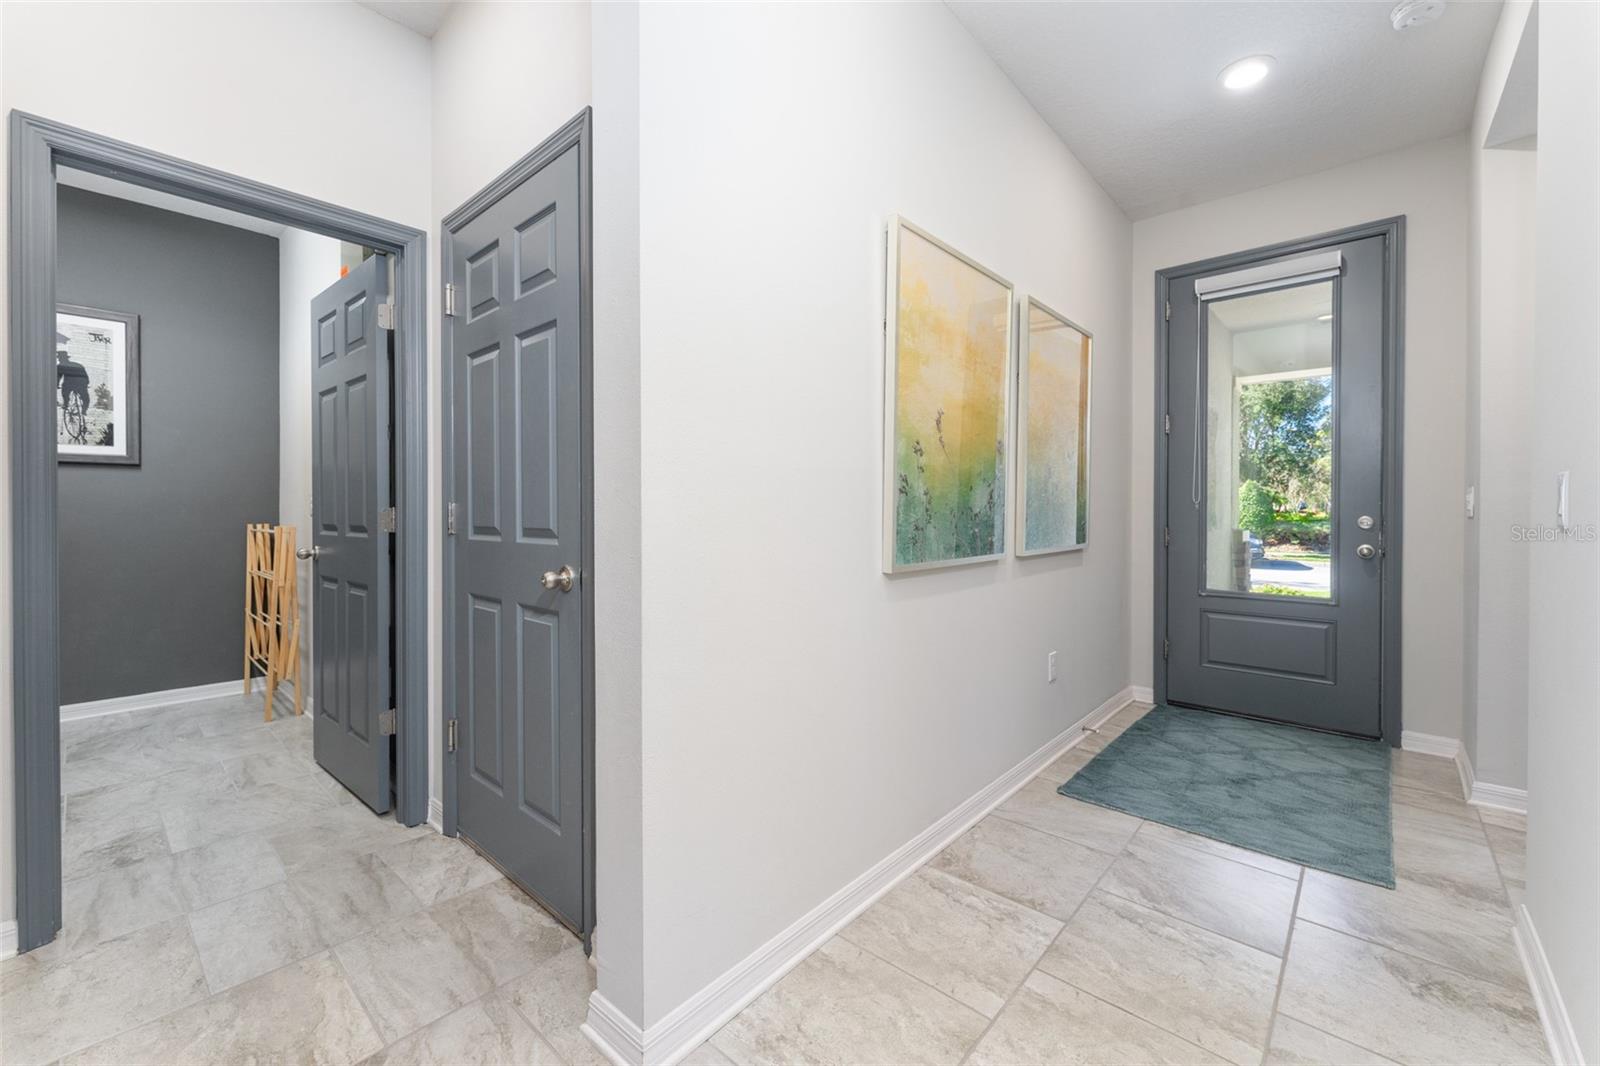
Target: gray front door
(516,347)
(350,490)
(1275,488)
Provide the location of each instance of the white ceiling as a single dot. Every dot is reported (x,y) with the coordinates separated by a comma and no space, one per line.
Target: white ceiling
(423,16)
(1132,87)
(80,179)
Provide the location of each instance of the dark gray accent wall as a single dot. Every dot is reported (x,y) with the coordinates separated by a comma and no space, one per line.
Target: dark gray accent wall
(152,556)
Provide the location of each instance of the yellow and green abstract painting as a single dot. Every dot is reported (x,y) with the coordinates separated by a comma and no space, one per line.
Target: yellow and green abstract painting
(1054,406)
(949,390)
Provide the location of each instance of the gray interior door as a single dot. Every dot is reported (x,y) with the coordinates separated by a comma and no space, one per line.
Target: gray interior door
(351,569)
(1275,491)
(516,360)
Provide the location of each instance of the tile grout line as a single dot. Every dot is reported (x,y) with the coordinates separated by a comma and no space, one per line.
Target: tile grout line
(1456,970)
(1053,940)
(140,1025)
(372,1019)
(1299,866)
(1283,967)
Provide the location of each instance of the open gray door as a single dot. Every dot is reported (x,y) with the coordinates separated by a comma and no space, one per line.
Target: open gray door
(350,496)
(516,345)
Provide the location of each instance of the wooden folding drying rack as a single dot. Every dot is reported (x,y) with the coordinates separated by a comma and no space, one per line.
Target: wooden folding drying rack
(271,611)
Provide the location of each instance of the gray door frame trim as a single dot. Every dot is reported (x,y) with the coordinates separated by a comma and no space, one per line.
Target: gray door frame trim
(38,145)
(577,131)
(1394,232)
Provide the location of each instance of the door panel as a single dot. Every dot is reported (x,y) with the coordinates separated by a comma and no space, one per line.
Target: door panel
(1275,457)
(517,386)
(350,487)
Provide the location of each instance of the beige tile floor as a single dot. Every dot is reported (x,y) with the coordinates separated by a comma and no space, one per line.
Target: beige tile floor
(1054,931)
(225,900)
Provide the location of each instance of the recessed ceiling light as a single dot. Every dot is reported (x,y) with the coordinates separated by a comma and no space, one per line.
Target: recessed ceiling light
(1245,73)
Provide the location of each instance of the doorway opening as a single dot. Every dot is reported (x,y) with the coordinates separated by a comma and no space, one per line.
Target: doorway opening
(1278,505)
(365,681)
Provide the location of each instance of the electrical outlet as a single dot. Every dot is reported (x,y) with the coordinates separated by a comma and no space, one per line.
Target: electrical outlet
(1050,668)
(1472,501)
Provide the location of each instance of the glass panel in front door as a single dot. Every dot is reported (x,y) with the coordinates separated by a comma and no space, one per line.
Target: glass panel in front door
(1269,391)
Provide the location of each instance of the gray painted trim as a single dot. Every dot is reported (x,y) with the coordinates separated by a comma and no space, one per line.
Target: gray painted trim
(577,131)
(135,442)
(37,146)
(1394,232)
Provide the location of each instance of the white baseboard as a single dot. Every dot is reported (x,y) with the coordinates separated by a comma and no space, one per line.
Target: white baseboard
(1141,693)
(8,939)
(617,1036)
(1429,744)
(436,814)
(71,712)
(1483,794)
(1478,793)
(691,1022)
(1558,1031)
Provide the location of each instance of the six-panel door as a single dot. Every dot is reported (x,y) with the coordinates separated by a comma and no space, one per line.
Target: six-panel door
(515,352)
(351,574)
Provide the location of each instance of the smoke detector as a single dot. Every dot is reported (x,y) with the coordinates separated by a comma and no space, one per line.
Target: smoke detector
(1409,13)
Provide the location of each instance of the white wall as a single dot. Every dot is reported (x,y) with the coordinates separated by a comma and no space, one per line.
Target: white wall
(619,723)
(1564,575)
(488,112)
(307,264)
(1500,321)
(1428,184)
(804,715)
(264,111)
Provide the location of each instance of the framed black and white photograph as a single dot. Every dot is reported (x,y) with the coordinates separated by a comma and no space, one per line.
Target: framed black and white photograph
(97,386)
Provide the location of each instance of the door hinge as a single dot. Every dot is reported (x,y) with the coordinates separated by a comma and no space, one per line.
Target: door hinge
(1166,423)
(1166,649)
(450,299)
(1166,536)
(450,518)
(386,721)
(450,735)
(386,315)
(1169,311)
(386,520)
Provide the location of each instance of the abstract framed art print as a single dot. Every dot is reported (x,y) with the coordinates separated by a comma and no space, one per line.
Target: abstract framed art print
(947,378)
(1052,432)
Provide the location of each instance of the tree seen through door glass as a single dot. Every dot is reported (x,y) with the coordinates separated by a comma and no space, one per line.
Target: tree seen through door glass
(1269,445)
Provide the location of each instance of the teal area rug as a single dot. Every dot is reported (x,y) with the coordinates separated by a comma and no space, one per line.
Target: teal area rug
(1312,798)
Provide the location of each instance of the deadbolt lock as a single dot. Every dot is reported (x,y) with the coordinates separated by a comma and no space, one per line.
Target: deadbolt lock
(1366,521)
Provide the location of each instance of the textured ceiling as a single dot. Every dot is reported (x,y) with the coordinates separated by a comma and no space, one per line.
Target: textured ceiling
(1132,87)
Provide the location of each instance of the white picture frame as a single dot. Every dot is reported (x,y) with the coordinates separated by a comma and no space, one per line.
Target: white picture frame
(943,508)
(1058,519)
(97,386)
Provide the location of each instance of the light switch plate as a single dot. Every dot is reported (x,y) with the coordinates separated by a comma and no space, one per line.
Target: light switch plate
(1472,501)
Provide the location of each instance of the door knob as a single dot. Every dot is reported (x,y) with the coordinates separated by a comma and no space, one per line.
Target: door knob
(1366,551)
(307,553)
(559,579)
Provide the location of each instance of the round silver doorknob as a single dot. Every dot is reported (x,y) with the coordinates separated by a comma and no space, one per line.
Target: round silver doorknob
(559,579)
(1366,551)
(307,553)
